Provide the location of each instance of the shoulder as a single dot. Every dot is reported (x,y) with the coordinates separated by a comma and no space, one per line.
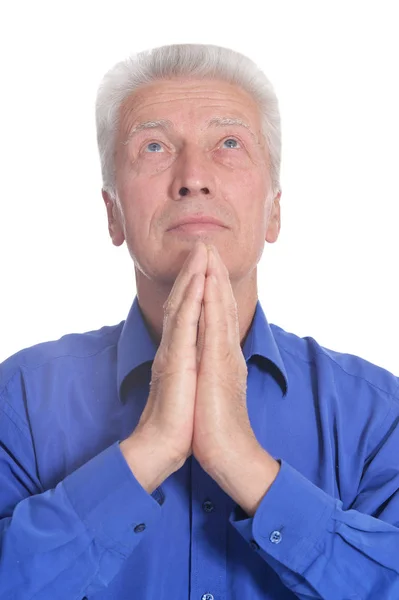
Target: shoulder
(339,368)
(50,355)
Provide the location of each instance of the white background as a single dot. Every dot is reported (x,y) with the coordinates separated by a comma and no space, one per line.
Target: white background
(333,273)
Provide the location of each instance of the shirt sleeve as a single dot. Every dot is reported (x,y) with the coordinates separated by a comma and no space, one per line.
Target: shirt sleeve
(70,541)
(320,550)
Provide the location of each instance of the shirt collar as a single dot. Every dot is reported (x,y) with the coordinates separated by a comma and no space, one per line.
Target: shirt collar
(136,347)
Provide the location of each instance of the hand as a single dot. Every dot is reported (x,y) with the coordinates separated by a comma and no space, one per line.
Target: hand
(221,424)
(168,417)
(205,413)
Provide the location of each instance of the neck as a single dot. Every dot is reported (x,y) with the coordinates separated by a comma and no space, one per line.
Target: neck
(152,297)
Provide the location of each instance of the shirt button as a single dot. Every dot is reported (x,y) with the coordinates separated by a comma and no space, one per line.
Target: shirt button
(275,537)
(254,545)
(207,597)
(208,506)
(139,528)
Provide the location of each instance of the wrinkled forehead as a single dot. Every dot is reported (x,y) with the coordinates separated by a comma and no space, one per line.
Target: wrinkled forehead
(191,100)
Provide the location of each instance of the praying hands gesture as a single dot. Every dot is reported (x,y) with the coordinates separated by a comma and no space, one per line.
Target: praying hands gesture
(197,402)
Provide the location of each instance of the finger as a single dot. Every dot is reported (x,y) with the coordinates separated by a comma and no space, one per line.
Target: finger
(195,263)
(216,336)
(181,325)
(218,269)
(183,307)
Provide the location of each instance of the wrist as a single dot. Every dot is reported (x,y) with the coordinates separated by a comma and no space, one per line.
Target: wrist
(149,461)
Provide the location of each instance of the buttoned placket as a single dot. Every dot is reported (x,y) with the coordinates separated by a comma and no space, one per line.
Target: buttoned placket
(209,521)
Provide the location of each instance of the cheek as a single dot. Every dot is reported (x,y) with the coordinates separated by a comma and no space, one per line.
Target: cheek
(247,195)
(247,189)
(142,201)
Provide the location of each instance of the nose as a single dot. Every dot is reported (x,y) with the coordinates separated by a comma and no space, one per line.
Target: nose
(193,174)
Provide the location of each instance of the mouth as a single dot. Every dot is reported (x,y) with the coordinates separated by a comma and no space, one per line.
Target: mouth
(192,228)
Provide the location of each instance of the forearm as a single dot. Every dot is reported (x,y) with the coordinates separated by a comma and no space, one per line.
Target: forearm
(304,534)
(55,540)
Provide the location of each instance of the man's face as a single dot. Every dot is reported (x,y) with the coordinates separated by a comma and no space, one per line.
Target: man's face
(205,156)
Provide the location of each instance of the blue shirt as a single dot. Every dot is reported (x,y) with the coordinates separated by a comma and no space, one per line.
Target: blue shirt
(75,523)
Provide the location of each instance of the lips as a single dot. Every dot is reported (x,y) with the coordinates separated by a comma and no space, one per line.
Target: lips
(197,219)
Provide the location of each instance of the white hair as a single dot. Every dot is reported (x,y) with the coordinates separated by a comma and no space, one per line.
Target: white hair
(183,60)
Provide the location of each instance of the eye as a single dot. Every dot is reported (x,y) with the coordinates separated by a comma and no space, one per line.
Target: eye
(232,143)
(153,147)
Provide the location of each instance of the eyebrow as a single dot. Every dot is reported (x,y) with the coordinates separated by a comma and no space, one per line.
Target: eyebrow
(165,124)
(226,121)
(161,123)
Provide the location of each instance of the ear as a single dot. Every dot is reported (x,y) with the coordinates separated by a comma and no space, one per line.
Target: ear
(114,220)
(274,223)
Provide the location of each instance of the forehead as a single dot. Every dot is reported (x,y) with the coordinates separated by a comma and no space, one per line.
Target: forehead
(190,100)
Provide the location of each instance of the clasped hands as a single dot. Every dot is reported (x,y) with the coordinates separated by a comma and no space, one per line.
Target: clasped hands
(223,440)
(221,422)
(197,402)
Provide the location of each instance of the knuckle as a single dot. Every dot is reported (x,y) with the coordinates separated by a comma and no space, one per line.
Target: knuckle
(165,361)
(179,320)
(169,306)
(222,325)
(159,364)
(243,370)
(232,311)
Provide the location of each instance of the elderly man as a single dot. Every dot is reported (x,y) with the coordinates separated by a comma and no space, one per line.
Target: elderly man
(194,450)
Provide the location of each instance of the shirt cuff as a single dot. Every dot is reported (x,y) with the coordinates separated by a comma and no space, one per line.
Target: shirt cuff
(111,502)
(291,522)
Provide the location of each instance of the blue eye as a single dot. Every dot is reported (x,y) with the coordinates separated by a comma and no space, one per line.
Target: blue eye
(154,147)
(232,143)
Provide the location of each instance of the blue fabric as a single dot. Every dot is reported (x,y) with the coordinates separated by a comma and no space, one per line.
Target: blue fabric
(76,523)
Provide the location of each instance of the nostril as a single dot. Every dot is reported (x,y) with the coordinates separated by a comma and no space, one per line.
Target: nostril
(184,191)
